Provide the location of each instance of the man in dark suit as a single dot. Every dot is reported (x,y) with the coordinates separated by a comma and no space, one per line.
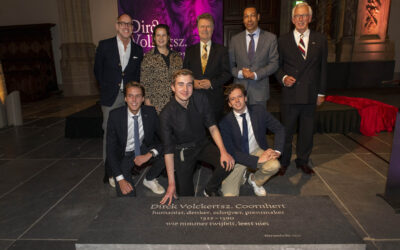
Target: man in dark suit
(302,72)
(209,63)
(254,57)
(133,139)
(244,134)
(117,62)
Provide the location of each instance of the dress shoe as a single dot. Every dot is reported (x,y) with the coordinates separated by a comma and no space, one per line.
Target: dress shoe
(282,170)
(306,169)
(210,193)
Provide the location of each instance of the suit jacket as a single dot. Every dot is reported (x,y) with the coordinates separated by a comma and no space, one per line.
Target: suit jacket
(117,132)
(261,120)
(217,71)
(108,70)
(264,63)
(310,73)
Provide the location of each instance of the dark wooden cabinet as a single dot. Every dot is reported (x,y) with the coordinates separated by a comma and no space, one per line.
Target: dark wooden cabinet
(233,16)
(27,58)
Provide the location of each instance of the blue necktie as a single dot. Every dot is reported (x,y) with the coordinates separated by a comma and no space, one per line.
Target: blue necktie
(136,134)
(245,134)
(251,51)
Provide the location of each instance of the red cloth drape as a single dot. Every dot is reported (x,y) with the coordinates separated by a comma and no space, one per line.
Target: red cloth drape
(375,116)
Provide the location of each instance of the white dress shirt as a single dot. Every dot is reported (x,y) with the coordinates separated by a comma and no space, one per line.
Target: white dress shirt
(124,55)
(253,145)
(208,48)
(248,39)
(130,141)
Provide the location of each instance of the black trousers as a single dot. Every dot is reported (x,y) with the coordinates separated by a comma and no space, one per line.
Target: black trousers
(185,166)
(303,115)
(157,166)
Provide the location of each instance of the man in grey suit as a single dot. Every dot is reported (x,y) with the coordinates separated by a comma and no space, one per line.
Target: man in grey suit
(254,57)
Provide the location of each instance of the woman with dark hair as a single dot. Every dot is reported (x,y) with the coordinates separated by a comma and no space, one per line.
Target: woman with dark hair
(157,68)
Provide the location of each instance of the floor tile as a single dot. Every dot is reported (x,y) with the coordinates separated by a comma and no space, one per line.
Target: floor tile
(71,216)
(357,185)
(4,244)
(22,207)
(15,172)
(16,144)
(371,143)
(325,145)
(93,148)
(57,149)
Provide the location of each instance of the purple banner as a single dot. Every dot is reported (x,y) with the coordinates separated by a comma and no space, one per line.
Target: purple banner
(179,15)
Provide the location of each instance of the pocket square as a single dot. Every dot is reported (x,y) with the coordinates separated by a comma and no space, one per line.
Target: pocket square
(313,43)
(135,57)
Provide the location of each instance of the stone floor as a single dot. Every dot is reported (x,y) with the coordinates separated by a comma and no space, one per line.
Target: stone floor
(51,187)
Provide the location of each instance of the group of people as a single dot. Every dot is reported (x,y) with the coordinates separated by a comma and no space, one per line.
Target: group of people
(174,118)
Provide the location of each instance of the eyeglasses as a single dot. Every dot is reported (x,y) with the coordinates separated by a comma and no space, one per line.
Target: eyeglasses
(123,24)
(302,16)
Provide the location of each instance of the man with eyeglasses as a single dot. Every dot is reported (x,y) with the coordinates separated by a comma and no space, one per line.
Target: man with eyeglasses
(117,62)
(133,140)
(254,57)
(302,73)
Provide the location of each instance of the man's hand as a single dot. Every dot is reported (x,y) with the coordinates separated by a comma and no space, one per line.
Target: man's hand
(247,73)
(228,159)
(197,84)
(141,159)
(268,154)
(147,101)
(171,193)
(289,81)
(320,100)
(205,84)
(125,186)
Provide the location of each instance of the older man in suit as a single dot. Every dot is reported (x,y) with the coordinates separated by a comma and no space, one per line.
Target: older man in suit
(209,63)
(302,73)
(254,57)
(133,139)
(117,62)
(244,134)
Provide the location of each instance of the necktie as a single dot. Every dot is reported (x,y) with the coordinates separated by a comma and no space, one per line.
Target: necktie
(302,47)
(136,134)
(204,58)
(245,134)
(251,51)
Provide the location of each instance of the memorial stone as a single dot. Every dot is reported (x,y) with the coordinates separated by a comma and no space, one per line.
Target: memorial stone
(279,222)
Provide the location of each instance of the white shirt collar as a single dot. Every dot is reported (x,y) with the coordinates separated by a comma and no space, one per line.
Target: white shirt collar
(130,114)
(238,114)
(119,41)
(257,32)
(208,43)
(297,33)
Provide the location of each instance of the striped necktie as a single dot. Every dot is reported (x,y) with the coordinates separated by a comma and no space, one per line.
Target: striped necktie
(302,46)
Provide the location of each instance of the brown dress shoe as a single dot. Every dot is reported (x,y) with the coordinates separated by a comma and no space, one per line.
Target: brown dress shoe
(306,169)
(282,170)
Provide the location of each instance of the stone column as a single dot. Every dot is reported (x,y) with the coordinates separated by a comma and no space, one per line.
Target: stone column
(370,41)
(77,48)
(345,39)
